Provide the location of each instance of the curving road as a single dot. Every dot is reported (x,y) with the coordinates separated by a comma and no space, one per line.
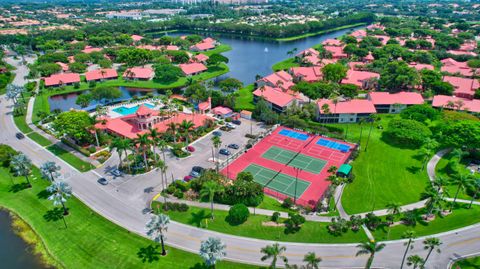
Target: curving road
(126,207)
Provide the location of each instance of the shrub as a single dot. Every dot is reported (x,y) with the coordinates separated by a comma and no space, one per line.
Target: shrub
(171,189)
(420,113)
(407,132)
(92,149)
(180,207)
(6,153)
(287,203)
(251,136)
(228,119)
(292,224)
(182,186)
(76,85)
(275,216)
(178,194)
(238,214)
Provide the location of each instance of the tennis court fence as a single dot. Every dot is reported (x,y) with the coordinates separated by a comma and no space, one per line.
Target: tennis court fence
(280,196)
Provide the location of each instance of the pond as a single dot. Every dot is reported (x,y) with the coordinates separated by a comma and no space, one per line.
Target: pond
(248,58)
(15,253)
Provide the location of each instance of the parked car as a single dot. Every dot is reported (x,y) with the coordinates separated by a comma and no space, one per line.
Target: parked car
(225,152)
(225,129)
(233,146)
(190,149)
(116,172)
(187,178)
(194,174)
(20,136)
(237,122)
(231,125)
(102,181)
(198,169)
(217,133)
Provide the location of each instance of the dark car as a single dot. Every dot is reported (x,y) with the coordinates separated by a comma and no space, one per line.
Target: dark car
(102,181)
(237,122)
(198,169)
(217,133)
(225,152)
(19,135)
(233,146)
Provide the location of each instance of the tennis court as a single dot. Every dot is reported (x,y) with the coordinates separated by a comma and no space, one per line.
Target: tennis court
(291,158)
(293,134)
(277,181)
(333,145)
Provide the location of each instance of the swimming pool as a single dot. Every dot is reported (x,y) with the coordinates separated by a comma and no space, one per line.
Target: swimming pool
(333,145)
(122,110)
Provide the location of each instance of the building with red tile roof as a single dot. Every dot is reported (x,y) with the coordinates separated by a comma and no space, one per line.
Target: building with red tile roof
(382,38)
(454,67)
(463,87)
(202,46)
(386,102)
(337,52)
(369,58)
(204,107)
(344,111)
(130,126)
(190,69)
(356,65)
(419,66)
(456,103)
(62,79)
(359,34)
(280,79)
(278,99)
(332,42)
(461,52)
(309,74)
(201,58)
(362,79)
(64,66)
(90,49)
(141,73)
(136,38)
(222,111)
(209,40)
(101,74)
(468,46)
(307,52)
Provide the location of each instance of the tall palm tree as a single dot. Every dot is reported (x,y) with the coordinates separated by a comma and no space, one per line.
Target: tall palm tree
(162,145)
(156,227)
(312,260)
(172,127)
(410,235)
(143,142)
(462,181)
(416,261)
(274,252)
(186,127)
(155,136)
(49,170)
(369,248)
(439,183)
(431,244)
(394,208)
(212,250)
(60,192)
(125,145)
(434,200)
(209,189)
(217,142)
(425,153)
(22,166)
(120,147)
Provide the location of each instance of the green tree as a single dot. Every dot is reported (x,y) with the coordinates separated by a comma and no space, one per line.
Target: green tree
(77,67)
(460,133)
(462,181)
(83,100)
(74,124)
(274,252)
(410,235)
(238,214)
(105,94)
(212,250)
(230,84)
(334,72)
(22,166)
(167,73)
(415,261)
(398,76)
(49,170)
(156,227)
(407,132)
(369,248)
(60,191)
(431,244)
(209,189)
(216,59)
(143,142)
(311,260)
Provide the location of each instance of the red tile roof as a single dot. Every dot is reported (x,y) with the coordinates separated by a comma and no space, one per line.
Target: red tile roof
(202,46)
(404,98)
(307,52)
(139,72)
(64,66)
(357,77)
(421,66)
(359,33)
(98,74)
(453,67)
(137,37)
(274,95)
(332,42)
(59,79)
(90,49)
(309,74)
(143,110)
(382,38)
(201,57)
(192,68)
(464,87)
(221,110)
(354,106)
(280,78)
(337,52)
(467,104)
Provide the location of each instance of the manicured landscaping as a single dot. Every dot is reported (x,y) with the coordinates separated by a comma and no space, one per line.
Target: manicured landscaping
(71,159)
(470,263)
(384,174)
(285,64)
(22,124)
(244,100)
(73,247)
(42,141)
(310,232)
(319,32)
(218,49)
(461,217)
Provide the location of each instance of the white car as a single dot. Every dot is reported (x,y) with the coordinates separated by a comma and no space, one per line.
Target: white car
(231,125)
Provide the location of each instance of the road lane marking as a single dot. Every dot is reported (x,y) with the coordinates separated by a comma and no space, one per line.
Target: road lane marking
(463,242)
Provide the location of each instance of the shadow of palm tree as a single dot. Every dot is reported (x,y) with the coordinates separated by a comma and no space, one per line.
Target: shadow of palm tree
(197,218)
(149,254)
(54,214)
(43,194)
(19,187)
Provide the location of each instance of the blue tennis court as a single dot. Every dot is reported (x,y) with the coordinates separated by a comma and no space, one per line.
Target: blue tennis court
(294,134)
(333,145)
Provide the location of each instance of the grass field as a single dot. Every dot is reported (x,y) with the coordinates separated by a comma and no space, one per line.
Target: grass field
(311,232)
(244,100)
(384,174)
(42,141)
(90,241)
(285,64)
(470,263)
(22,124)
(71,159)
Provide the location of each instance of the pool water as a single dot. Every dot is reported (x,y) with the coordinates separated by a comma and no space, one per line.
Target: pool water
(130,110)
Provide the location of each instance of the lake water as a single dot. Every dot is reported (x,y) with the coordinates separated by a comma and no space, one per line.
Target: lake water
(14,252)
(248,58)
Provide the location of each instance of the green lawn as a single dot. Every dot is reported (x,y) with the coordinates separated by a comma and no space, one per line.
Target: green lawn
(22,124)
(311,232)
(244,100)
(460,217)
(39,139)
(273,204)
(285,64)
(90,241)
(319,32)
(383,174)
(71,159)
(219,49)
(470,263)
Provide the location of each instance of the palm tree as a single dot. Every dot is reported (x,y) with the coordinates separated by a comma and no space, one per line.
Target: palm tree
(217,142)
(369,248)
(125,144)
(212,250)
(431,243)
(186,127)
(117,143)
(209,189)
(162,145)
(157,226)
(434,200)
(49,170)
(416,261)
(144,142)
(410,235)
(476,190)
(22,166)
(425,153)
(172,127)
(312,260)
(394,208)
(462,181)
(60,192)
(439,183)
(274,252)
(155,136)
(459,154)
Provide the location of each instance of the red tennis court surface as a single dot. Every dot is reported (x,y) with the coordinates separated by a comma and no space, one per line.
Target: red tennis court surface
(318,183)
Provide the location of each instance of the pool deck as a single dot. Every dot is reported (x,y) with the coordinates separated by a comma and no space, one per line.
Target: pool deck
(112,114)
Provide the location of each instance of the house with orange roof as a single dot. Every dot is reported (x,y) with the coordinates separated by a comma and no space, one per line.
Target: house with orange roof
(359,34)
(64,66)
(90,49)
(61,79)
(308,74)
(222,112)
(420,67)
(280,79)
(278,99)
(386,102)
(190,69)
(136,38)
(337,52)
(346,111)
(200,58)
(463,87)
(456,103)
(362,79)
(332,42)
(202,46)
(307,52)
(451,66)
(139,73)
(101,74)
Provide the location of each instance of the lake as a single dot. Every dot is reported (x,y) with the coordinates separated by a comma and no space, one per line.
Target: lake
(248,58)
(15,253)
